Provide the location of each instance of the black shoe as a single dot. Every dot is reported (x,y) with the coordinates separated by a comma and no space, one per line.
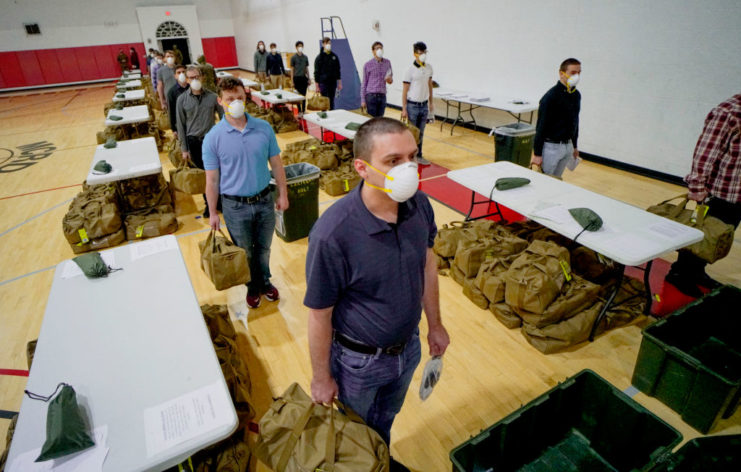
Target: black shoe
(686,285)
(704,280)
(396,466)
(206,213)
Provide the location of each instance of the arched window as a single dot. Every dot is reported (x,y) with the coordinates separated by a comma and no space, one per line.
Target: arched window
(171,29)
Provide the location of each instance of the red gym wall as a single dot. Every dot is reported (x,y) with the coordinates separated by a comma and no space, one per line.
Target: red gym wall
(58,66)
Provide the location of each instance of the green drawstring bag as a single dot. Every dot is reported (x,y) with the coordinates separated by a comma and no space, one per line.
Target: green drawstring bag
(322,114)
(588,219)
(120,95)
(507,183)
(118,106)
(110,143)
(264,92)
(115,117)
(352,126)
(279,95)
(92,265)
(66,432)
(102,167)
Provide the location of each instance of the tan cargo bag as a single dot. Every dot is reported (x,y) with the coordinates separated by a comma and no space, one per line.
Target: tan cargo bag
(224,262)
(536,277)
(151,222)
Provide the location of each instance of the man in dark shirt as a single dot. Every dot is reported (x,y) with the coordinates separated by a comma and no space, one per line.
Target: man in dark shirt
(300,72)
(172,97)
(370,271)
(327,72)
(558,121)
(275,66)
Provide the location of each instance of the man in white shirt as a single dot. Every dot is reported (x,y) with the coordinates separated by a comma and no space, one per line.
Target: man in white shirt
(416,95)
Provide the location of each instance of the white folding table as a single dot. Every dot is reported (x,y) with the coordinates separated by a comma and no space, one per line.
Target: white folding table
(271,97)
(129,159)
(456,99)
(221,74)
(129,95)
(132,345)
(130,115)
(130,84)
(336,121)
(133,75)
(630,235)
(249,82)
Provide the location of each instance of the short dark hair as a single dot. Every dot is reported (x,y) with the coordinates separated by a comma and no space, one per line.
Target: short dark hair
(365,136)
(299,43)
(377,43)
(419,46)
(180,66)
(569,62)
(272,45)
(169,51)
(230,83)
(325,40)
(258,44)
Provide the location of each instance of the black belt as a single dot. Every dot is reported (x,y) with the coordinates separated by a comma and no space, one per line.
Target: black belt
(417,103)
(555,141)
(253,199)
(394,350)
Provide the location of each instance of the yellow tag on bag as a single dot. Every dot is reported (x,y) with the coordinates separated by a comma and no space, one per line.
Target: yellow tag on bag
(139,231)
(566,270)
(347,185)
(83,235)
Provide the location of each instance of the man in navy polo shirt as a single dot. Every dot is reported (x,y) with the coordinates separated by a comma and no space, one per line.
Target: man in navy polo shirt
(370,270)
(236,152)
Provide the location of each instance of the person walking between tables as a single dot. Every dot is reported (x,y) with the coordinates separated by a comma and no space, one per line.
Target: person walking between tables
(327,72)
(166,78)
(370,271)
(196,110)
(376,74)
(557,128)
(274,67)
(236,153)
(260,61)
(300,73)
(416,94)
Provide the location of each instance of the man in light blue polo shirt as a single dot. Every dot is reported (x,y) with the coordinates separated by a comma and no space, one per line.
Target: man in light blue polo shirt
(236,152)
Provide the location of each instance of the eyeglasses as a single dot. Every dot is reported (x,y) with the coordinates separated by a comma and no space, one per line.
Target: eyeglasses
(193,77)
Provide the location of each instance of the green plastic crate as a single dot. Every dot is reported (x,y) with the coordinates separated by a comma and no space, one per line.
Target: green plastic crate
(514,143)
(303,202)
(582,424)
(691,360)
(709,454)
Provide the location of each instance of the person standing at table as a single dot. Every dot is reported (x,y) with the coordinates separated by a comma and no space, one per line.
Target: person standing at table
(173,94)
(274,67)
(196,111)
(364,314)
(376,74)
(134,59)
(327,72)
(155,65)
(715,179)
(123,60)
(236,153)
(416,94)
(166,78)
(557,128)
(300,72)
(260,60)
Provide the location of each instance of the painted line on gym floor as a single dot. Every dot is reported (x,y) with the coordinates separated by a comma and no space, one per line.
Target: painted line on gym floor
(26,275)
(40,191)
(34,217)
(7,415)
(14,372)
(631,391)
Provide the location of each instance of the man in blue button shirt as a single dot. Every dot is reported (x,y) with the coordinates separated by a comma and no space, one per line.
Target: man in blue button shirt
(236,152)
(370,270)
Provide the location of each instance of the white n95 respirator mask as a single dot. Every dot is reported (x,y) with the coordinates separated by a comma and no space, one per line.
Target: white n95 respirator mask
(401,181)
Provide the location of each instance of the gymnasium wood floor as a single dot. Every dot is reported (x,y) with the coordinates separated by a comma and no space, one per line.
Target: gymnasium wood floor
(489,371)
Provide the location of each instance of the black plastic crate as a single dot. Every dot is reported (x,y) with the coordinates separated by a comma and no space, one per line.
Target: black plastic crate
(710,454)
(691,360)
(582,424)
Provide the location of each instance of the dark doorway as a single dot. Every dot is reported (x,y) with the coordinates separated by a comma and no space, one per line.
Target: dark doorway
(182,44)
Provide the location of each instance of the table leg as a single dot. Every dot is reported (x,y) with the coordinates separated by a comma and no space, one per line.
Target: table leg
(487,201)
(647,284)
(471,108)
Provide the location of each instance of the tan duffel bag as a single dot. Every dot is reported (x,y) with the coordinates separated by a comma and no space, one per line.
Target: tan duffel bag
(474,294)
(506,315)
(103,242)
(318,102)
(188,179)
(718,235)
(224,262)
(536,277)
(336,183)
(163,121)
(299,435)
(559,336)
(579,294)
(92,219)
(151,222)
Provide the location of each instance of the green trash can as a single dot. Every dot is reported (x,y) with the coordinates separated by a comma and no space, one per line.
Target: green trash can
(303,202)
(514,143)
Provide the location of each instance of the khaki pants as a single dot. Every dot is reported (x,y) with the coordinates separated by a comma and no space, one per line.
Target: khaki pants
(276,80)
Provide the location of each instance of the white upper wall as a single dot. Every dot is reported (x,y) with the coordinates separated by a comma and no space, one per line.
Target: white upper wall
(651,70)
(76,23)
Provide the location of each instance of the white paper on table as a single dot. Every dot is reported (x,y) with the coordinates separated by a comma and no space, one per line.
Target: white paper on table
(185,417)
(152,246)
(555,213)
(71,269)
(145,167)
(670,230)
(89,460)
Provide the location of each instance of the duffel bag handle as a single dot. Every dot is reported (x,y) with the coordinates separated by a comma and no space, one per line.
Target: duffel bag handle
(298,428)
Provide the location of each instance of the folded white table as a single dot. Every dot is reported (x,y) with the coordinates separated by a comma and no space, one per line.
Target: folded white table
(131,84)
(135,348)
(135,114)
(248,82)
(129,159)
(271,96)
(129,95)
(220,74)
(629,236)
(133,75)
(336,121)
(456,99)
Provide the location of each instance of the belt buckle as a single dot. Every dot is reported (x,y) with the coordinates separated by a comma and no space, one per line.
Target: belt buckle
(395,350)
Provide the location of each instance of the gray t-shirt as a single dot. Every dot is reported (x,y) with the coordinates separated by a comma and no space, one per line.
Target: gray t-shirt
(166,75)
(261,61)
(370,271)
(299,65)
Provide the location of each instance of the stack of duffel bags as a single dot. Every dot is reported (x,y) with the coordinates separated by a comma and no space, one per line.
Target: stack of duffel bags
(94,220)
(147,206)
(532,278)
(334,159)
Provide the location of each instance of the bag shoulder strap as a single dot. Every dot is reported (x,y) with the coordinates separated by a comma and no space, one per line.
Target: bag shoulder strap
(290,444)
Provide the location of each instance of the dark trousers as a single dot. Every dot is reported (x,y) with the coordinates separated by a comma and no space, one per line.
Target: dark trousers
(375,103)
(328,89)
(688,264)
(301,84)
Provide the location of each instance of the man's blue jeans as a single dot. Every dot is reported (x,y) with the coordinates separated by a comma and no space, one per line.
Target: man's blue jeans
(418,117)
(375,104)
(374,386)
(251,227)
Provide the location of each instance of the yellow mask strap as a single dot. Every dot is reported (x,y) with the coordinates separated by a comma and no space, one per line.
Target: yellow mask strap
(376,187)
(382,173)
